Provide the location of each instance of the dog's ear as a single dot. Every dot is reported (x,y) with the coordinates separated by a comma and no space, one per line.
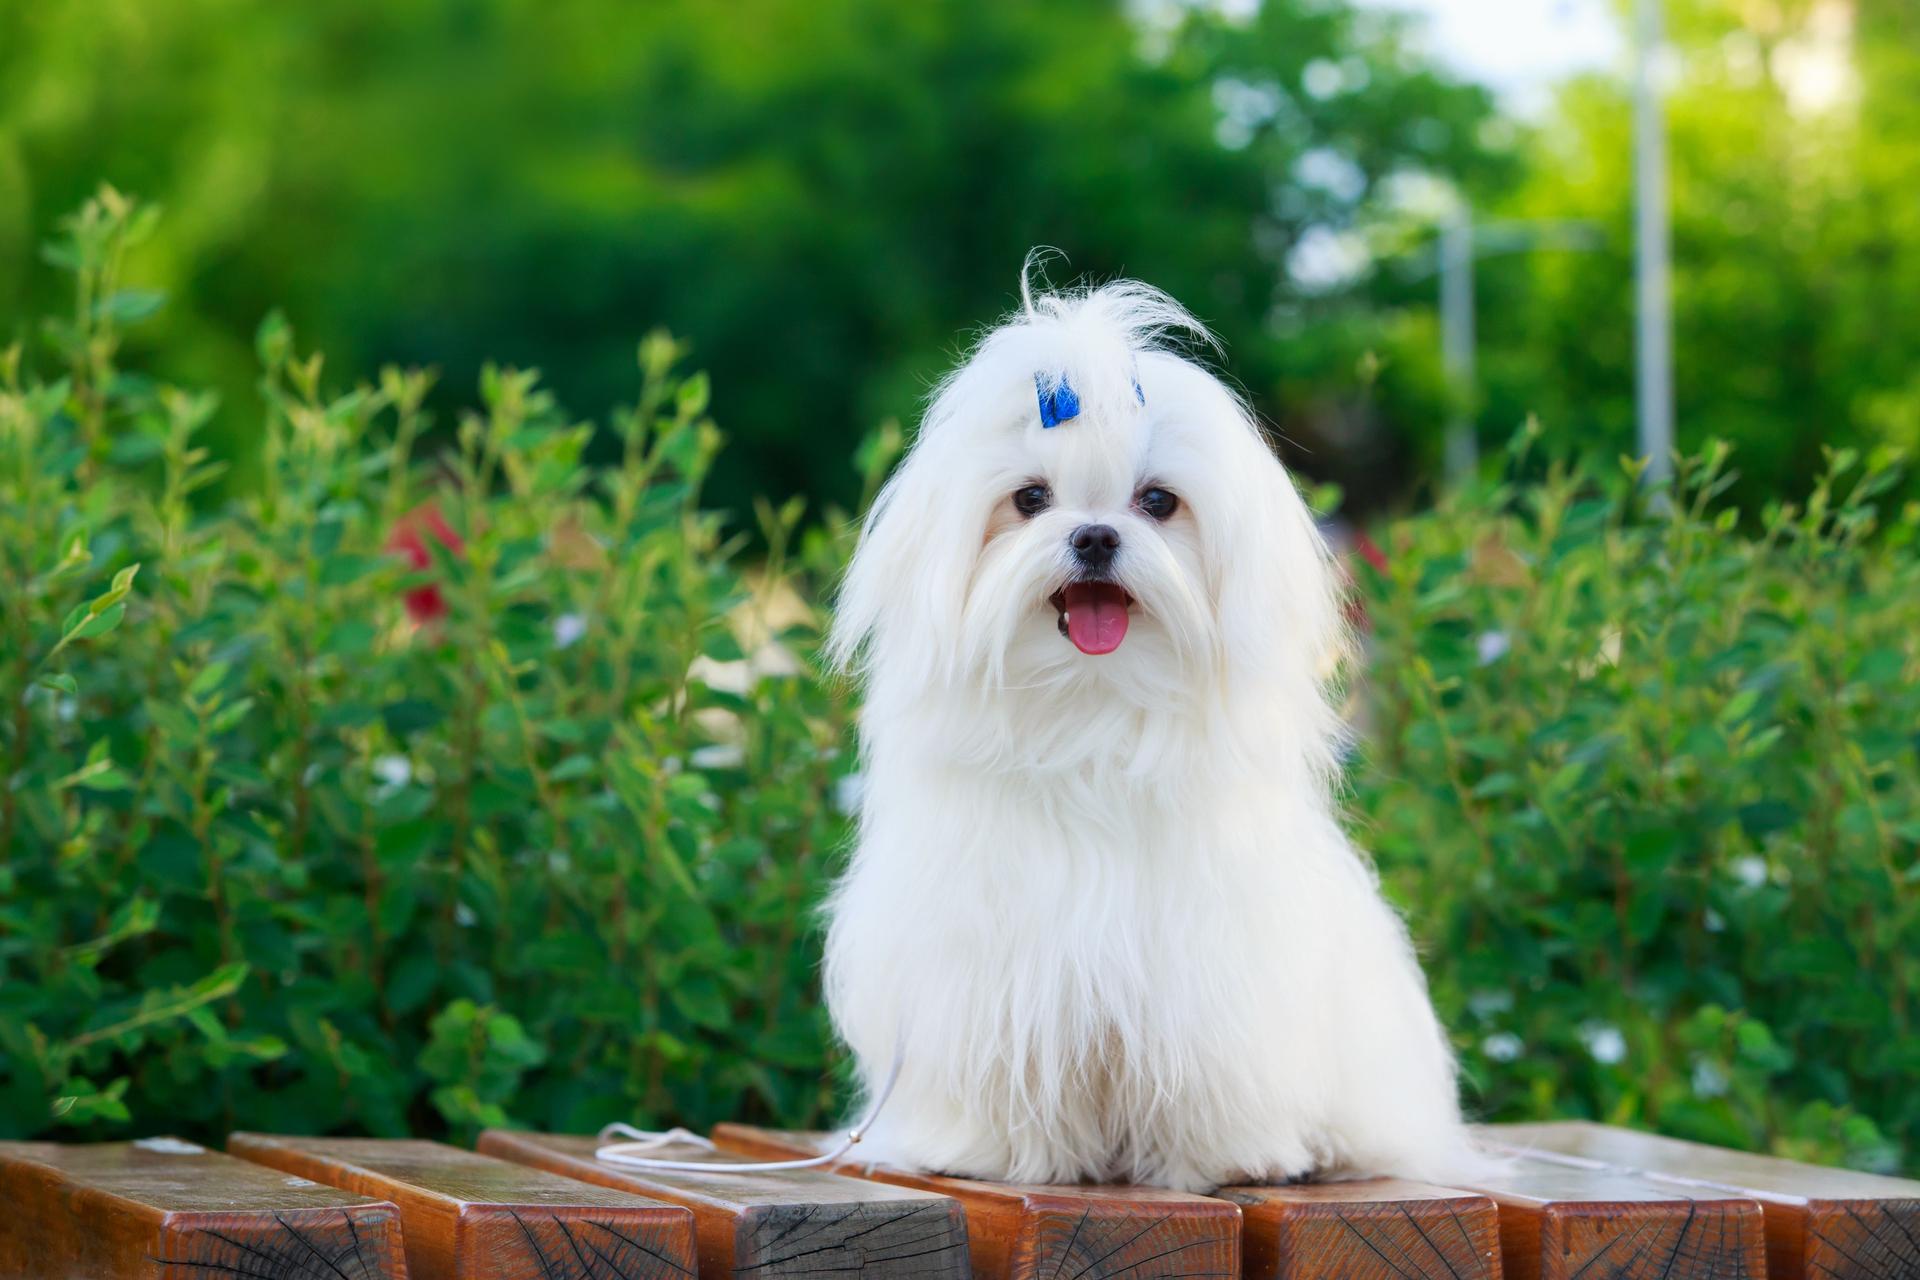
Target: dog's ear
(905,589)
(1281,600)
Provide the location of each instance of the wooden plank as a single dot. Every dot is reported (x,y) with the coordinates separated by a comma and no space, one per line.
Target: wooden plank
(1377,1229)
(1023,1232)
(766,1226)
(472,1217)
(162,1209)
(1561,1222)
(1821,1223)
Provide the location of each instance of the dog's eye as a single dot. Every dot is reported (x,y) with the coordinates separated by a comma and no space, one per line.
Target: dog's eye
(1158,503)
(1032,500)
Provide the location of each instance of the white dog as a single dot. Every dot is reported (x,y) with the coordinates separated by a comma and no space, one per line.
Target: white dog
(1100,896)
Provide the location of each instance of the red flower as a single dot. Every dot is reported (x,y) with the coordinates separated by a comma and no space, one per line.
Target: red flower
(409,539)
(1369,550)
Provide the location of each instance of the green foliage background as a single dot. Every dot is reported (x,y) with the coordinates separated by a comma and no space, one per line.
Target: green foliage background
(1795,248)
(1648,786)
(272,854)
(822,198)
(278,850)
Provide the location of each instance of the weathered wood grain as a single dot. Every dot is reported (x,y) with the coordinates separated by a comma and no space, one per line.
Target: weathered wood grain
(1560,1222)
(771,1226)
(1379,1229)
(1018,1232)
(472,1217)
(1821,1223)
(169,1210)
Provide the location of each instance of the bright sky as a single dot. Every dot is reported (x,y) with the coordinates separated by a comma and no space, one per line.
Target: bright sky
(1519,47)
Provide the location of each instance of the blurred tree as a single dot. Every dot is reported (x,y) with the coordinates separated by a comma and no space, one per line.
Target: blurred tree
(823,197)
(1796,244)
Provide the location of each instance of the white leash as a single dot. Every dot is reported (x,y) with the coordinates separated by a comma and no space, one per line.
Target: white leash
(627,1154)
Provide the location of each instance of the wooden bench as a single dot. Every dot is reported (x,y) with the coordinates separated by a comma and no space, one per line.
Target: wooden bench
(1571,1202)
(1559,1222)
(471,1217)
(767,1226)
(1019,1232)
(1821,1223)
(162,1209)
(1377,1229)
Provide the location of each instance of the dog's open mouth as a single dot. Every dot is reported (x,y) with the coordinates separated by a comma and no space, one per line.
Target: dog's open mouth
(1093,615)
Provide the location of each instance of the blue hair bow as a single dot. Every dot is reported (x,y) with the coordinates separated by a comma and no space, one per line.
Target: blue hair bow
(1060,403)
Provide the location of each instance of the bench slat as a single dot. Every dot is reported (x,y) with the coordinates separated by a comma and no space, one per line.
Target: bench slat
(1821,1223)
(1019,1232)
(1378,1229)
(162,1209)
(472,1217)
(769,1226)
(1562,1222)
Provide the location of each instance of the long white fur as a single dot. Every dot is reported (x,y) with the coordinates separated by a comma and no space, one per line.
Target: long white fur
(1106,900)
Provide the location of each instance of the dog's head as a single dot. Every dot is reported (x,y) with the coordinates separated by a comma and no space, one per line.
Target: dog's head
(1084,506)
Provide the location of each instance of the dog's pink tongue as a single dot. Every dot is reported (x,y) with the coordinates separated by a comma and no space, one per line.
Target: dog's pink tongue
(1096,616)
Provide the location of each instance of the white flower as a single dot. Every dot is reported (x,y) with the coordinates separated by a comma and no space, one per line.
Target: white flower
(1605,1043)
(567,628)
(1750,871)
(463,915)
(1491,646)
(720,755)
(394,772)
(1716,923)
(1486,1003)
(1708,1080)
(1502,1046)
(740,675)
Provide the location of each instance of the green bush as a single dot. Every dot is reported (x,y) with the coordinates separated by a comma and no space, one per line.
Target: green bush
(1646,783)
(402,795)
(410,796)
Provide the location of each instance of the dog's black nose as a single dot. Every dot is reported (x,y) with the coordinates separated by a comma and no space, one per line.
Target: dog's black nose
(1094,545)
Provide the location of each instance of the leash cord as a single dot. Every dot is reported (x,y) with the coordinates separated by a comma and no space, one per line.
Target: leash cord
(628,1154)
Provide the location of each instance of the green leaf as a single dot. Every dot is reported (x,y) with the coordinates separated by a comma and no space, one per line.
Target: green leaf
(97,774)
(101,623)
(168,1005)
(273,340)
(130,305)
(412,715)
(229,715)
(209,678)
(571,768)
(138,917)
(702,1000)
(693,394)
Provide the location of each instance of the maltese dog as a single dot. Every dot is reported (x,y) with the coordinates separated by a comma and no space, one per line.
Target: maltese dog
(1101,915)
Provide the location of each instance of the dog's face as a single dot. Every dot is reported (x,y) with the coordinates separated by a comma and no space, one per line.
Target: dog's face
(1085,508)
(1092,562)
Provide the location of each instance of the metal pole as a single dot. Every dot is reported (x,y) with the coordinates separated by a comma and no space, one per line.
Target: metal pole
(1653,312)
(1456,338)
